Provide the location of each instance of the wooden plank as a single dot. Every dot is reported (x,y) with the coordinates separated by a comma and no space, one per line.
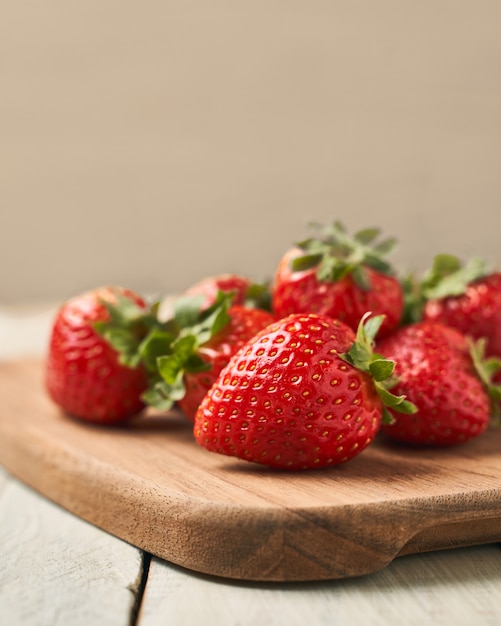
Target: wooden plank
(59,570)
(460,587)
(151,485)
(25,331)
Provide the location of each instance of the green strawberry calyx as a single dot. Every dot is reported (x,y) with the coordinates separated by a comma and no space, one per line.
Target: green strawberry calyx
(258,296)
(414,300)
(446,277)
(126,327)
(335,254)
(362,356)
(167,349)
(486,368)
(171,350)
(449,277)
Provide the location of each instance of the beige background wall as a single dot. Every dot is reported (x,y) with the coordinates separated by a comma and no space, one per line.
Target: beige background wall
(152,143)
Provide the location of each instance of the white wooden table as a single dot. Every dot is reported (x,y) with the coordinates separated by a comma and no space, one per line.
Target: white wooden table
(59,570)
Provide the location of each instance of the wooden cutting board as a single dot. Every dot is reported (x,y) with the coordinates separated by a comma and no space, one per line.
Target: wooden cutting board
(153,486)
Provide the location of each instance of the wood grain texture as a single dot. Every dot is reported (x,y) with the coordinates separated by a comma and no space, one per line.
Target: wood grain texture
(59,570)
(152,486)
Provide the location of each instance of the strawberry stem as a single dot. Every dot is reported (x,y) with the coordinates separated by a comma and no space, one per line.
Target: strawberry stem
(335,254)
(486,368)
(448,277)
(167,349)
(362,356)
(126,327)
(190,328)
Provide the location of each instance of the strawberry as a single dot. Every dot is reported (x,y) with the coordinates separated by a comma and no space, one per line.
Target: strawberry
(210,286)
(341,277)
(437,371)
(84,374)
(193,346)
(245,292)
(467,298)
(303,393)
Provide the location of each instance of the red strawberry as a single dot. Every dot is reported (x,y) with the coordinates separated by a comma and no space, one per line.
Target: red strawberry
(200,344)
(298,395)
(243,324)
(84,374)
(435,371)
(341,277)
(245,292)
(210,287)
(466,298)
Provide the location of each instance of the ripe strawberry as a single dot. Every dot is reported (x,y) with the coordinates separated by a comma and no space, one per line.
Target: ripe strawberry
(303,393)
(210,286)
(84,374)
(466,298)
(341,277)
(245,292)
(193,347)
(435,370)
